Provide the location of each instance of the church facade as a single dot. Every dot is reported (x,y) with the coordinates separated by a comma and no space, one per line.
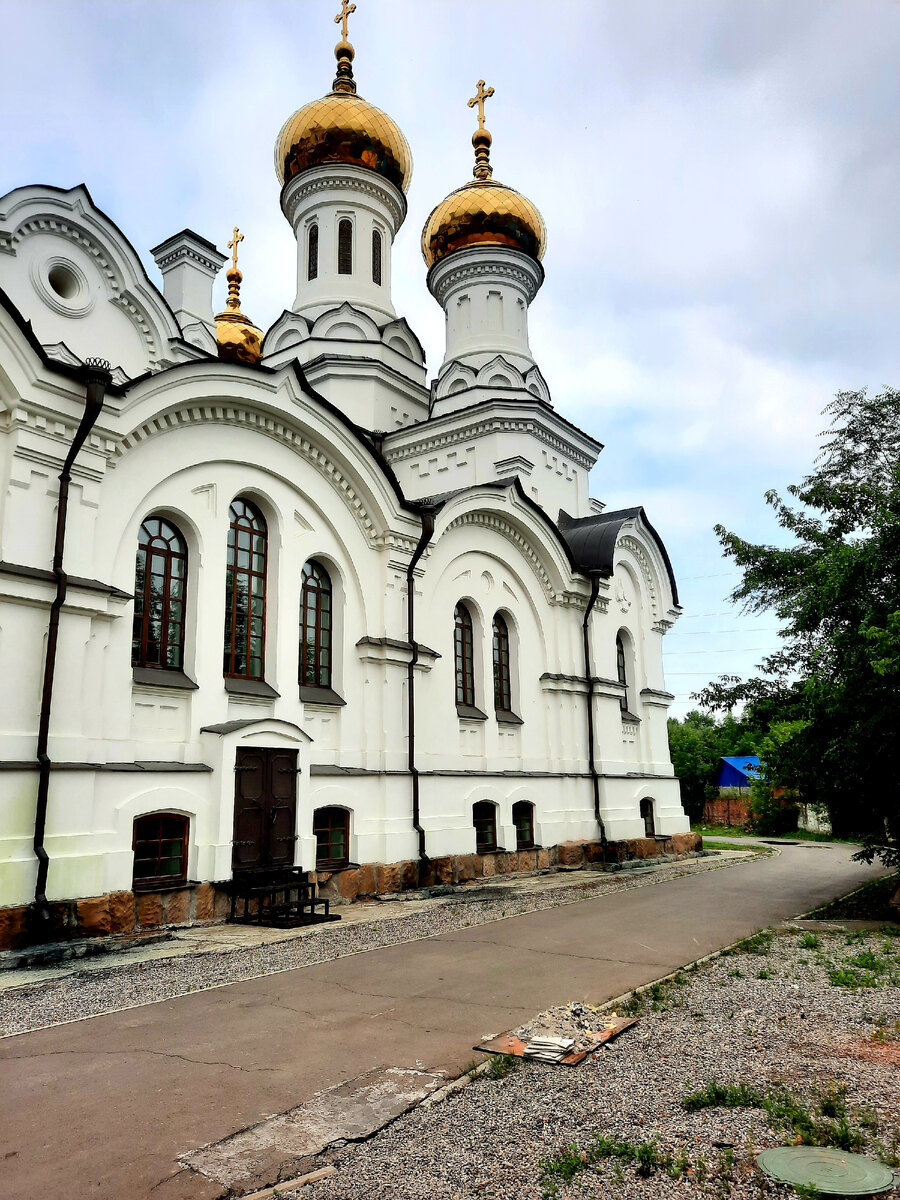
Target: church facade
(314,608)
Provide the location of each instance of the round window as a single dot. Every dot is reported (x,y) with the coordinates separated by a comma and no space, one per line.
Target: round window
(64,281)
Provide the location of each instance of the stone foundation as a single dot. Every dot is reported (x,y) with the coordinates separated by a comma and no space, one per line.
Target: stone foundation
(117,913)
(379,879)
(123,913)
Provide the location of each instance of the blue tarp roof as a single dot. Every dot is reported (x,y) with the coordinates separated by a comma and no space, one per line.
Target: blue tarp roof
(737,771)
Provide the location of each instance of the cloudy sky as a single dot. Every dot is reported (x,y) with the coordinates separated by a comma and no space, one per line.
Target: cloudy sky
(719,179)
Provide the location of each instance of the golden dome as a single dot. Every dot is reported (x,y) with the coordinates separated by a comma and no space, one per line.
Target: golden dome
(483,212)
(343,128)
(237,338)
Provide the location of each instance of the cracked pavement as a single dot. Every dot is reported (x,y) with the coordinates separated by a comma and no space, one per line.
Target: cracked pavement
(104,1107)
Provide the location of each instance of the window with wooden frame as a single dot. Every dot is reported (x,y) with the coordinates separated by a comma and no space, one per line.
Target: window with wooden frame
(331,827)
(160,850)
(245,592)
(376,256)
(464,655)
(160,577)
(312,252)
(315,627)
(345,247)
(621,673)
(484,818)
(502,685)
(523,819)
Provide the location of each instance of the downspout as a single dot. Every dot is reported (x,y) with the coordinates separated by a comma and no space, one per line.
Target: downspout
(97,378)
(589,680)
(427,531)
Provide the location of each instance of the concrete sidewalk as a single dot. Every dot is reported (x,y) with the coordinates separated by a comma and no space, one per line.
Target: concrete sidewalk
(104,1107)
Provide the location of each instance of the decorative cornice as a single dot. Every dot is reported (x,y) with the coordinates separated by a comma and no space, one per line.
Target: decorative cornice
(183,253)
(458,274)
(464,431)
(270,426)
(300,189)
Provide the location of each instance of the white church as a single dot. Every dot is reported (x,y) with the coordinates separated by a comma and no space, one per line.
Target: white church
(283,606)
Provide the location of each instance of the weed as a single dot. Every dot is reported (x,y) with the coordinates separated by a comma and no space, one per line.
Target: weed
(809,941)
(723,1095)
(759,943)
(806,1191)
(469,1068)
(847,977)
(644,1156)
(736,974)
(567,1164)
(832,1102)
(764,974)
(870,962)
(501,1065)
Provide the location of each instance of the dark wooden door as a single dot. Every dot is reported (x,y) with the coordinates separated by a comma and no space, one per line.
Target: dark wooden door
(265,808)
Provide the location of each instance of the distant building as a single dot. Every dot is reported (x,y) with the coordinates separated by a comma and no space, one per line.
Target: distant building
(733,779)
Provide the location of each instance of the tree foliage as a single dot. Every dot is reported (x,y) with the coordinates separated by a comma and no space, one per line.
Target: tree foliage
(836,588)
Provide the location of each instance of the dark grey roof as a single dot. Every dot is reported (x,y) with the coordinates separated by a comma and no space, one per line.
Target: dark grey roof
(592,540)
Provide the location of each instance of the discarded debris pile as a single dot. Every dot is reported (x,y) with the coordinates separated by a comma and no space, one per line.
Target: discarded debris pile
(565,1035)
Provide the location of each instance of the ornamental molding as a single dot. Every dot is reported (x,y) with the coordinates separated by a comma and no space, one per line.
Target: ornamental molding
(72,233)
(459,274)
(476,429)
(639,554)
(180,253)
(299,191)
(507,530)
(270,426)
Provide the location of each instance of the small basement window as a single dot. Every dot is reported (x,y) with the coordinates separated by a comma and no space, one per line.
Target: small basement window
(332,829)
(160,850)
(484,818)
(523,819)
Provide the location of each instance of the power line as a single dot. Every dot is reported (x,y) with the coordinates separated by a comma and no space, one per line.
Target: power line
(723,632)
(731,650)
(719,575)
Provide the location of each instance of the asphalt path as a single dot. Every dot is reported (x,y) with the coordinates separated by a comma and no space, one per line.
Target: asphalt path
(102,1108)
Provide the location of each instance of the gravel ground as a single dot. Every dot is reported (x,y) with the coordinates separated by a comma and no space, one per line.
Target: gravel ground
(769,1019)
(88,993)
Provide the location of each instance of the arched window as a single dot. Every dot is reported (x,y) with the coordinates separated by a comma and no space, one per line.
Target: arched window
(331,827)
(523,819)
(502,689)
(312,252)
(315,627)
(245,592)
(157,637)
(464,656)
(647,815)
(621,673)
(345,247)
(484,818)
(160,850)
(376,256)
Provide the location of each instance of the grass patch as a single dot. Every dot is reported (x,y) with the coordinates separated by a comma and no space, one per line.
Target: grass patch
(571,1160)
(501,1065)
(758,943)
(868,903)
(827,1122)
(713,844)
(809,941)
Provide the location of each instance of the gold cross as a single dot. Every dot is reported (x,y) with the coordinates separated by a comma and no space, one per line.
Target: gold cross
(479,98)
(341,18)
(235,239)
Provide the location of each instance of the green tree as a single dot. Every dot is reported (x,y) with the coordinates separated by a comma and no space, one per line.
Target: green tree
(836,588)
(696,744)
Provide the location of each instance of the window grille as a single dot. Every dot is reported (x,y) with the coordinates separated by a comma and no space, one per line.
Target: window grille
(312,252)
(484,818)
(502,689)
(160,850)
(523,819)
(345,247)
(376,257)
(331,827)
(464,654)
(621,674)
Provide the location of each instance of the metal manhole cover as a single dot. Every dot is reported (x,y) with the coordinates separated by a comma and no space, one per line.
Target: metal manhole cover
(833,1172)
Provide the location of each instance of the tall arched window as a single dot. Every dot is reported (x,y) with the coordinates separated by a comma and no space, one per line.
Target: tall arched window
(345,247)
(376,256)
(502,687)
(621,673)
(157,638)
(464,656)
(315,627)
(312,252)
(647,814)
(245,592)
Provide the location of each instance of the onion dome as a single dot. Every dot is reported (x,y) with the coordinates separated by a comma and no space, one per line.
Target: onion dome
(237,338)
(485,211)
(343,128)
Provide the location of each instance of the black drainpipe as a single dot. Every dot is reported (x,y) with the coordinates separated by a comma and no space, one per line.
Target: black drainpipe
(589,680)
(97,378)
(427,531)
